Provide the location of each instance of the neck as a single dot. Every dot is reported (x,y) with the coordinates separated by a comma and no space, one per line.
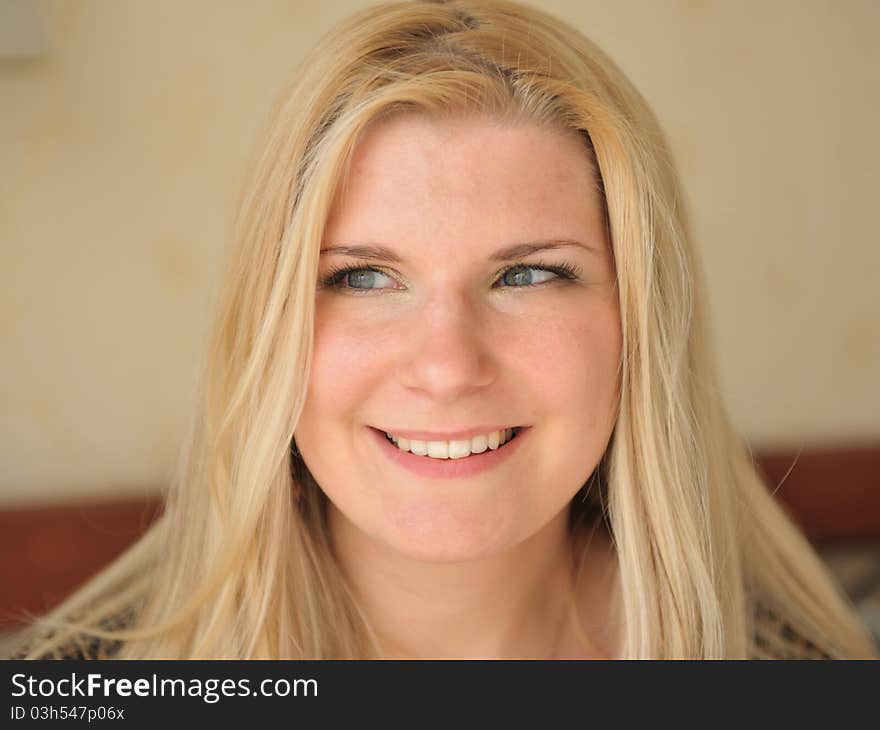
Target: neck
(516,603)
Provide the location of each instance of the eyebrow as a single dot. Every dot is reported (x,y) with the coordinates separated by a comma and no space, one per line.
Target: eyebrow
(374,252)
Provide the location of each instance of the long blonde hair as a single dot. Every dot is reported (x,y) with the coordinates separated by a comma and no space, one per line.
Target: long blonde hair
(240,565)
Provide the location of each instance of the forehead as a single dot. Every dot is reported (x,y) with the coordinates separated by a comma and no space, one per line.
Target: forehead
(414,172)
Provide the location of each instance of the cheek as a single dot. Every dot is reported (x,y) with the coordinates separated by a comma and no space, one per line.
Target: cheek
(570,356)
(348,357)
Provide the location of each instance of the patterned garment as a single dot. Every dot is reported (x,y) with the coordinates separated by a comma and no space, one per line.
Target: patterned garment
(87,647)
(774,639)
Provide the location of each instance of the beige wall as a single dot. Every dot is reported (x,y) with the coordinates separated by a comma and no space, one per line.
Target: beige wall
(123,149)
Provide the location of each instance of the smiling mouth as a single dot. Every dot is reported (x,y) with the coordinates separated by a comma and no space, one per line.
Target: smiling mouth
(455,449)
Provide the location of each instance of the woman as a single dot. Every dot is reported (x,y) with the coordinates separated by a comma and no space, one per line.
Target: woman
(465,230)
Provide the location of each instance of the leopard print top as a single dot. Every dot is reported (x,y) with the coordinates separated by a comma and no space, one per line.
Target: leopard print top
(773,639)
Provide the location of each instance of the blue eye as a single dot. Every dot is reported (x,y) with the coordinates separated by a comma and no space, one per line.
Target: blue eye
(360,279)
(524,275)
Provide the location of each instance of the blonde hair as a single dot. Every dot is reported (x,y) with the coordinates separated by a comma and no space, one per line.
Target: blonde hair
(240,564)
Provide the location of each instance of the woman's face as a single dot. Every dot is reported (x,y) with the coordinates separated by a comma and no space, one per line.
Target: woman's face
(448,332)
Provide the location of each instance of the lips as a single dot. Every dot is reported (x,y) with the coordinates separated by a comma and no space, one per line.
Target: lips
(439,468)
(459,435)
(455,449)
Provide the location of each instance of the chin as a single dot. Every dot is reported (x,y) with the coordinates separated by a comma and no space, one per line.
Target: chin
(438,530)
(447,540)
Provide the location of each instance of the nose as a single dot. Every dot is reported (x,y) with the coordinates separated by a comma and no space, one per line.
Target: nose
(450,354)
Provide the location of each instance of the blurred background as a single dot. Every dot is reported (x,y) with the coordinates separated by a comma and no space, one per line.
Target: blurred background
(125,130)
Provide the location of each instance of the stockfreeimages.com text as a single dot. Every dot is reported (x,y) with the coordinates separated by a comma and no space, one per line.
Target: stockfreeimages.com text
(210,690)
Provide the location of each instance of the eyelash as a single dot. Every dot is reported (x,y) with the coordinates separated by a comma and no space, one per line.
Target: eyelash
(335,277)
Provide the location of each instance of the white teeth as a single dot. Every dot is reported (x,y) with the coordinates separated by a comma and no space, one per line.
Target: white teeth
(438,449)
(420,448)
(454,449)
(459,449)
(494,440)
